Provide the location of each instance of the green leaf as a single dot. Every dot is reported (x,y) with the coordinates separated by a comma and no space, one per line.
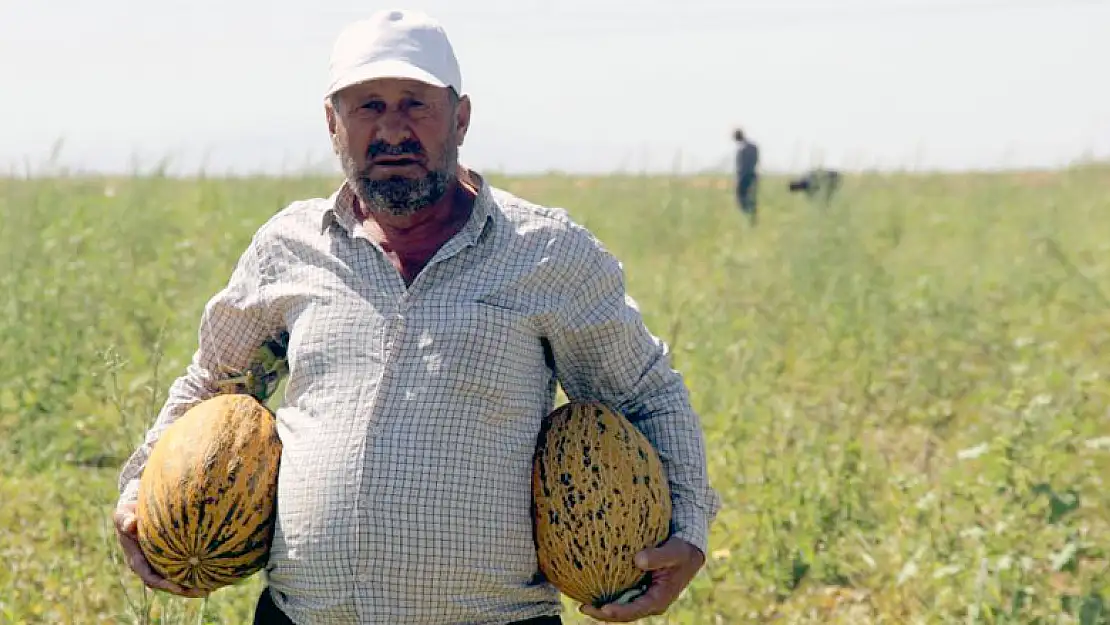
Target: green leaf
(1094,611)
(1065,559)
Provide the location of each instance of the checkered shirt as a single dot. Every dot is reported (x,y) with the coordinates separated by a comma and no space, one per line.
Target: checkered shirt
(411,413)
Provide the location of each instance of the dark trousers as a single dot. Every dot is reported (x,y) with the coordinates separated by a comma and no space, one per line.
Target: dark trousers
(747,187)
(266,613)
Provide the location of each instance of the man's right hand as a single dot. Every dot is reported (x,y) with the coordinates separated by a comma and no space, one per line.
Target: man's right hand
(127,530)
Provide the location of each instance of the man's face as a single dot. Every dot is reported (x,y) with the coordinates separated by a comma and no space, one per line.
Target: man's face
(398,142)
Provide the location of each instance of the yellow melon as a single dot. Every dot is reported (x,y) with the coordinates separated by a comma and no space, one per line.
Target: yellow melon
(600,495)
(206,501)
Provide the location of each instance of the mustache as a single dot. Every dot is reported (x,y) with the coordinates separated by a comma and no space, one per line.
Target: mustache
(406,148)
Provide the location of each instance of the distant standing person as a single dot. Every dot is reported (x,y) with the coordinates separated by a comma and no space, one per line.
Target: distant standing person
(747,163)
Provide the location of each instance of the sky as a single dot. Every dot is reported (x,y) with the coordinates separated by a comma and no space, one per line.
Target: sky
(570,85)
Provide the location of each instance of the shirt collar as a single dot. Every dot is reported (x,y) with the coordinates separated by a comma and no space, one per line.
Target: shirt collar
(341,208)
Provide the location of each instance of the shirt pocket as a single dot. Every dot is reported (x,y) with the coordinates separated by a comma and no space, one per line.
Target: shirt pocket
(492,358)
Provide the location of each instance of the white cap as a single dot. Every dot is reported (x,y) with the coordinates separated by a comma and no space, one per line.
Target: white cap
(394,44)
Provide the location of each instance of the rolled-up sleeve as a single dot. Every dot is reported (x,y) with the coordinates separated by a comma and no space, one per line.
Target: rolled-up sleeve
(603,351)
(234,323)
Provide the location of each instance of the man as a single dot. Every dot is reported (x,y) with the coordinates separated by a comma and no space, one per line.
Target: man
(429,317)
(747,162)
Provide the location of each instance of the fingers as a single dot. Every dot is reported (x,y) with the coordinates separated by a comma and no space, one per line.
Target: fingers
(652,603)
(672,565)
(673,553)
(138,563)
(127,532)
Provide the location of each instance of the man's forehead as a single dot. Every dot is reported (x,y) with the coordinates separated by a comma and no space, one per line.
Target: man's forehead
(393,86)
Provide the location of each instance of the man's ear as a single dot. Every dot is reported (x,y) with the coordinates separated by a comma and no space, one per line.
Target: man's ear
(333,124)
(462,118)
(330,114)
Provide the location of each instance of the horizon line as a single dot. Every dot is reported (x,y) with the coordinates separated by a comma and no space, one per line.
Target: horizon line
(64,173)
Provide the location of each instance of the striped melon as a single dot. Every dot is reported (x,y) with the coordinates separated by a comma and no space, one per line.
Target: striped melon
(600,495)
(206,500)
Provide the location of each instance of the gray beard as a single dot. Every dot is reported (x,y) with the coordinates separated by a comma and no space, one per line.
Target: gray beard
(400,196)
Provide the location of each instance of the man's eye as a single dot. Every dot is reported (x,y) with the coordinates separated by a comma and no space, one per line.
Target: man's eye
(377,107)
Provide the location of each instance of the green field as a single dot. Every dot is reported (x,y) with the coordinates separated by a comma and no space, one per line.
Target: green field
(906,395)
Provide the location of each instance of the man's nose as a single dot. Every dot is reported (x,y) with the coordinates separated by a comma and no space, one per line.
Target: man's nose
(393,128)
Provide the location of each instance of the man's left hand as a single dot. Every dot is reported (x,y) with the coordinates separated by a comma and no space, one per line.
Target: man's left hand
(672,565)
